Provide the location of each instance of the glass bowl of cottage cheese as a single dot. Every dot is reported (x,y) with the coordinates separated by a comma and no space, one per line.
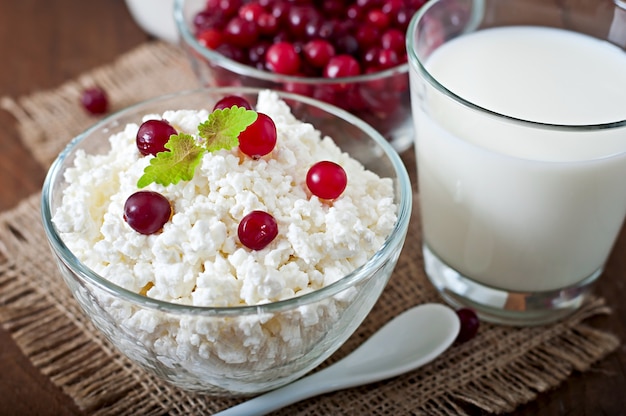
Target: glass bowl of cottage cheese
(192,301)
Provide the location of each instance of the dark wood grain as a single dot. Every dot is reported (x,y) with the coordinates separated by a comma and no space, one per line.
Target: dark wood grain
(43,44)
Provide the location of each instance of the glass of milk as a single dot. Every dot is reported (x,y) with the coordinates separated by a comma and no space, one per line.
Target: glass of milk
(520,115)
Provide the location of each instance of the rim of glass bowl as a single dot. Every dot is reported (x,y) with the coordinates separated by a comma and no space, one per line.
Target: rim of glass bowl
(474,21)
(242,69)
(402,187)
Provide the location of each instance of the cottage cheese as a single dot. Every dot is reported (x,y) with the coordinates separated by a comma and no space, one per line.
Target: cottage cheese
(197,258)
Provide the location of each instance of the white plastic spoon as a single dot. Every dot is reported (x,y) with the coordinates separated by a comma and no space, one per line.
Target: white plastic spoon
(410,340)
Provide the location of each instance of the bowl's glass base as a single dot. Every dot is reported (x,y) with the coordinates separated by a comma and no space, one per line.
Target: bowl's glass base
(502,306)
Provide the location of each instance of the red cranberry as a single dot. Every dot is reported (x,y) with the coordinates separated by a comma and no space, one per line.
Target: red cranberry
(251,12)
(230,101)
(318,52)
(298,18)
(240,32)
(232,52)
(333,8)
(210,38)
(280,10)
(326,180)
(374,85)
(378,19)
(469,324)
(298,88)
(392,6)
(228,8)
(367,35)
(354,100)
(347,44)
(281,36)
(393,39)
(388,59)
(282,58)
(256,54)
(257,230)
(416,4)
(259,138)
(370,57)
(402,18)
(95,100)
(327,93)
(325,30)
(342,66)
(153,135)
(147,212)
(368,4)
(205,19)
(267,24)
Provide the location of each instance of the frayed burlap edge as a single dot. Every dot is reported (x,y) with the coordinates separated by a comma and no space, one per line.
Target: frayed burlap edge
(497,371)
(47,120)
(539,369)
(38,310)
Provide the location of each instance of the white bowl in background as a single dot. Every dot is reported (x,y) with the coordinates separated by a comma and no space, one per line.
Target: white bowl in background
(155,17)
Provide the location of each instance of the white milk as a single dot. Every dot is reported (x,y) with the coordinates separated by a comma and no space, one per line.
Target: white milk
(513,205)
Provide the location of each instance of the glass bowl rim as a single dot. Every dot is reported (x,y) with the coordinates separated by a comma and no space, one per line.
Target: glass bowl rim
(241,69)
(415,62)
(402,188)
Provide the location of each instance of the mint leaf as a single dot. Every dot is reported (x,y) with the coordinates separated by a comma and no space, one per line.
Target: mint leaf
(220,131)
(178,164)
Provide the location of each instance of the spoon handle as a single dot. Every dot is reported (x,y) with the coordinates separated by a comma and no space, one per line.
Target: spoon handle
(410,340)
(304,388)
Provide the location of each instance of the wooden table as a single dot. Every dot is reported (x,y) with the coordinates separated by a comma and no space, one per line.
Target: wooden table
(43,44)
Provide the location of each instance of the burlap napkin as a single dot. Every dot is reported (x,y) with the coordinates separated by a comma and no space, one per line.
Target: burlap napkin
(496,371)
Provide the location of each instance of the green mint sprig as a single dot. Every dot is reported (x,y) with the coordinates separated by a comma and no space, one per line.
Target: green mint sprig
(179,163)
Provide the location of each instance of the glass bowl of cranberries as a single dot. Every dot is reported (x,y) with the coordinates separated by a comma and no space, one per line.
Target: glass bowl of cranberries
(219,238)
(351,53)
